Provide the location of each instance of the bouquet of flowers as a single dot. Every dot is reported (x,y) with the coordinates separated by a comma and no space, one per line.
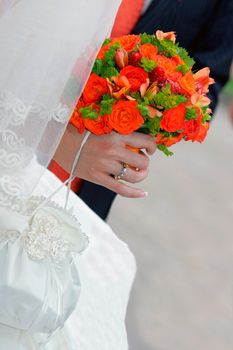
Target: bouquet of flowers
(145,83)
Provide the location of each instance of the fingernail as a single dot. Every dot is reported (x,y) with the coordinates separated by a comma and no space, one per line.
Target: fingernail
(144,195)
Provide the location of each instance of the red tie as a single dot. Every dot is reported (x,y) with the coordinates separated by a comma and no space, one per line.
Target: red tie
(127,17)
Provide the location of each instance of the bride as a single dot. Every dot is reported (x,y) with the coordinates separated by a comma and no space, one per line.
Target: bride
(47,51)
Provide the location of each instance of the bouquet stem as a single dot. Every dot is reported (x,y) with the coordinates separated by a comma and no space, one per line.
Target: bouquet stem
(133,149)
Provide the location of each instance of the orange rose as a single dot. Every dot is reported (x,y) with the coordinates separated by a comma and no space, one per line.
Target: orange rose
(76,118)
(177,59)
(98,126)
(148,50)
(204,128)
(168,65)
(187,84)
(128,42)
(175,76)
(135,75)
(102,51)
(125,117)
(77,121)
(173,119)
(96,87)
(191,127)
(168,141)
(200,134)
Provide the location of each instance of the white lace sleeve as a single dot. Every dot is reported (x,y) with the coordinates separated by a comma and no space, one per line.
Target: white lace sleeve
(47,51)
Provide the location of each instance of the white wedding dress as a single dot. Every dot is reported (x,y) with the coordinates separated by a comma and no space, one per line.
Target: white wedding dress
(48,48)
(106,269)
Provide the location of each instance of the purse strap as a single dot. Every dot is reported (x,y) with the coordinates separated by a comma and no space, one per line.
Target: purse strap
(68,182)
(74,166)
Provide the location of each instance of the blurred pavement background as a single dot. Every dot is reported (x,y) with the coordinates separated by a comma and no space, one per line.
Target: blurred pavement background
(182,237)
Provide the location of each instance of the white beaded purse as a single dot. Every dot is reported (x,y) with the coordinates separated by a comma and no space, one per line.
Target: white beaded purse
(39,283)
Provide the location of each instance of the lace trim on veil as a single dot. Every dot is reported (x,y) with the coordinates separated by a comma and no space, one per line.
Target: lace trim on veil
(15,154)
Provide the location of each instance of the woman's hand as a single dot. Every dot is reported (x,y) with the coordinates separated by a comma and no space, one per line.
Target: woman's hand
(103,157)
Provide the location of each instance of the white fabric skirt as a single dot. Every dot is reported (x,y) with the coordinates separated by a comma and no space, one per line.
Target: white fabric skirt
(107,269)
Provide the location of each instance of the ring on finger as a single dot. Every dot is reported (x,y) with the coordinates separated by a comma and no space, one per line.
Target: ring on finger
(122,172)
(128,166)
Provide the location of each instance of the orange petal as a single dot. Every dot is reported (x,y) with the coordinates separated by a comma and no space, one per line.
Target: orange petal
(130,98)
(144,87)
(153,112)
(121,81)
(168,35)
(121,92)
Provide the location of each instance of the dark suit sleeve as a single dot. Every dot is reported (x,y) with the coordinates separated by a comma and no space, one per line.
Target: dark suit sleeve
(214,47)
(98,198)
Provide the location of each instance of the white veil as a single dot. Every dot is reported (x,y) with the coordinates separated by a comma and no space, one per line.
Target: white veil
(47,48)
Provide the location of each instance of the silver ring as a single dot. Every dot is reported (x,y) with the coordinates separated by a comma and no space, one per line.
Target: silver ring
(122,172)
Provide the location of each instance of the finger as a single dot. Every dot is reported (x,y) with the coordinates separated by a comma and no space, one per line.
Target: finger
(139,140)
(134,177)
(121,188)
(136,160)
(130,174)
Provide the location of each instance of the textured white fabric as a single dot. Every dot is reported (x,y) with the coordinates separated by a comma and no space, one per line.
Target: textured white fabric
(47,50)
(39,287)
(106,270)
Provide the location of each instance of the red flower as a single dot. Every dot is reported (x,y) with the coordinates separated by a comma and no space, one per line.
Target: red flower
(94,90)
(135,59)
(148,50)
(135,75)
(102,51)
(128,42)
(98,126)
(168,65)
(168,141)
(177,59)
(173,119)
(187,84)
(76,118)
(175,87)
(204,128)
(125,117)
(203,80)
(158,74)
(191,127)
(173,81)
